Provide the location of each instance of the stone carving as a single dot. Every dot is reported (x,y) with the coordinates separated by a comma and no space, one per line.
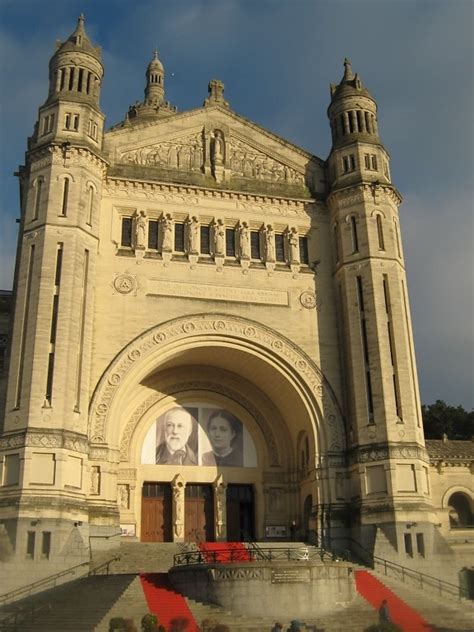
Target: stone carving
(247,162)
(217,293)
(244,240)
(293,357)
(220,506)
(125,283)
(123,496)
(294,245)
(239,573)
(178,505)
(167,229)
(219,238)
(140,230)
(218,148)
(46,438)
(185,153)
(193,235)
(95,480)
(382,452)
(308,299)
(270,243)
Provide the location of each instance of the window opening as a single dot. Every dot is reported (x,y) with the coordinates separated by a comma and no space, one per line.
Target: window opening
(230,242)
(126,237)
(65,197)
(205,234)
(179,237)
(355,239)
(153,234)
(279,247)
(255,249)
(304,255)
(30,544)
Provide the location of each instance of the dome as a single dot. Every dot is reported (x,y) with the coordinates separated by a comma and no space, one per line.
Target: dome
(350,85)
(155,65)
(79,41)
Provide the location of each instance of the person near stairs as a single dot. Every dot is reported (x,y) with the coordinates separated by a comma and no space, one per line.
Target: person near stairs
(384,612)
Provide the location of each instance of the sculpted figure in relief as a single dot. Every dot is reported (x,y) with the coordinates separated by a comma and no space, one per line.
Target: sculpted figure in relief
(218,153)
(219,238)
(193,235)
(294,245)
(244,243)
(95,479)
(270,243)
(167,225)
(140,230)
(178,505)
(123,496)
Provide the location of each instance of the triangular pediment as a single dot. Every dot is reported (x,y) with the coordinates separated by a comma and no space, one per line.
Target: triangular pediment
(213,145)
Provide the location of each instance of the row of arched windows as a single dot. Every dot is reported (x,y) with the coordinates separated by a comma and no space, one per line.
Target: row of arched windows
(39,198)
(352,220)
(75,79)
(353,121)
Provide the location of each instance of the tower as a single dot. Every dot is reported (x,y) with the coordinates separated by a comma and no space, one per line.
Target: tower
(48,389)
(389,467)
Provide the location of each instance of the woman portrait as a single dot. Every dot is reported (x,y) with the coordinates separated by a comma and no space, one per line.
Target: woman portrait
(224,432)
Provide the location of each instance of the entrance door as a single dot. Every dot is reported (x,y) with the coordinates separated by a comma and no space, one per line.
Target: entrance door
(156,513)
(199,513)
(240,513)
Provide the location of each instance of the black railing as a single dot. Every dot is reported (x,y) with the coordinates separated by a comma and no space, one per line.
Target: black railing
(406,574)
(227,555)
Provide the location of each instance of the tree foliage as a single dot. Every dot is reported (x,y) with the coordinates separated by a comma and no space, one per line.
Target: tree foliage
(454,421)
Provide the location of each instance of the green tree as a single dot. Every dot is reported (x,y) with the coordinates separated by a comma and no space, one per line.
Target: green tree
(454,421)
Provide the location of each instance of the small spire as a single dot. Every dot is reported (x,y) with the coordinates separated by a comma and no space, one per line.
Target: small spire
(155,54)
(348,74)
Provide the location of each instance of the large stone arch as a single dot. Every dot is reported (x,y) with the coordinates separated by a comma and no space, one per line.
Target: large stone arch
(142,356)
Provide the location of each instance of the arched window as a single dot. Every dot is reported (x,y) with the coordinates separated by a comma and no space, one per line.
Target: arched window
(39,187)
(460,511)
(335,232)
(65,197)
(380,232)
(90,204)
(355,238)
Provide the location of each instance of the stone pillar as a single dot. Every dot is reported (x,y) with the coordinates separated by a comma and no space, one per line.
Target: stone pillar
(220,509)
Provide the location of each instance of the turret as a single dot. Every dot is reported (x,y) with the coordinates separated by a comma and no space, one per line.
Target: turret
(154,104)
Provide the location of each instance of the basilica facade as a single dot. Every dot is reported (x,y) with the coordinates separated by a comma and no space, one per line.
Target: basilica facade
(211,336)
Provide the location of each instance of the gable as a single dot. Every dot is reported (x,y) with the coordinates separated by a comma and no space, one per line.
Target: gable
(213,147)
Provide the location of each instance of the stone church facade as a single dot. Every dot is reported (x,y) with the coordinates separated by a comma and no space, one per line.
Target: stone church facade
(193,272)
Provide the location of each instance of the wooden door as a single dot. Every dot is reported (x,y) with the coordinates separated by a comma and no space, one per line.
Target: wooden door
(156,513)
(199,513)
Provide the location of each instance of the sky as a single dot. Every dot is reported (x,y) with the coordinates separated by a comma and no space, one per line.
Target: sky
(276,59)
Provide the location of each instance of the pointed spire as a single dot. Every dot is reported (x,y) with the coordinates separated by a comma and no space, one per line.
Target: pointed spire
(348,74)
(79,40)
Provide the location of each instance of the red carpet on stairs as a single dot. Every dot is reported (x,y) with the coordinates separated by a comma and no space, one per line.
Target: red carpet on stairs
(168,605)
(374,591)
(225,551)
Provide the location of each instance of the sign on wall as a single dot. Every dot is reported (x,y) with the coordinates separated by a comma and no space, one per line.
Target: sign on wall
(199,435)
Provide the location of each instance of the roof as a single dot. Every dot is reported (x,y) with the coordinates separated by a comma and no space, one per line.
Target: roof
(447,450)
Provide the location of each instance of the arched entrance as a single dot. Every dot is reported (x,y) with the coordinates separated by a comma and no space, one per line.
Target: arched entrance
(243,371)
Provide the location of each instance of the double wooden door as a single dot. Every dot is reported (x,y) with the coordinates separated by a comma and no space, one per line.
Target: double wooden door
(156,513)
(199,513)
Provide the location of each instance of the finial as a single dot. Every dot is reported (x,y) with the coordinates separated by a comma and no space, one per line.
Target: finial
(155,54)
(348,74)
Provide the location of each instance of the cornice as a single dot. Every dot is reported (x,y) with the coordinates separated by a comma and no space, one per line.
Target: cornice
(45,438)
(362,192)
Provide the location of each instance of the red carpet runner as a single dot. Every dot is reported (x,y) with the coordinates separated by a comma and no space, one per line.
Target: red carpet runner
(169,606)
(225,552)
(374,591)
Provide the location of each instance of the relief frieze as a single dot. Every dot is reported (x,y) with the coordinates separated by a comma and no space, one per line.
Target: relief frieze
(384,452)
(45,438)
(185,153)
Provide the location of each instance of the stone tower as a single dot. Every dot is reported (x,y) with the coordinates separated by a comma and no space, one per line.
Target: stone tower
(48,390)
(381,389)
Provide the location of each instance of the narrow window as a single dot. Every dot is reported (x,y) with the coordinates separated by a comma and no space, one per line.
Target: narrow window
(39,186)
(54,322)
(367,122)
(342,126)
(374,162)
(46,545)
(351,162)
(51,123)
(255,249)
(360,293)
(94,131)
(62,75)
(76,122)
(153,234)
(65,197)
(126,238)
(90,205)
(345,164)
(80,350)
(351,122)
(30,545)
(230,242)
(304,256)
(67,121)
(71,78)
(205,233)
(360,123)
(420,544)
(24,328)
(335,232)
(408,544)
(367,161)
(397,237)
(355,239)
(279,247)
(380,233)
(80,79)
(88,84)
(179,237)
(45,124)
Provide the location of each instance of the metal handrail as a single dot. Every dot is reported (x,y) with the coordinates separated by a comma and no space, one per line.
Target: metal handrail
(423,579)
(26,591)
(225,555)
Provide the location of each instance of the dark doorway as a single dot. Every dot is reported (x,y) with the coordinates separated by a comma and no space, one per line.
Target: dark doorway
(156,513)
(466,583)
(240,513)
(199,513)
(307,508)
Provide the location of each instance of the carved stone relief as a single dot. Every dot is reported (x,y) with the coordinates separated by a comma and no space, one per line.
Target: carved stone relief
(123,496)
(248,162)
(185,153)
(178,486)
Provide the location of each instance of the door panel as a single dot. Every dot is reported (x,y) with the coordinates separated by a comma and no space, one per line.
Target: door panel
(199,514)
(156,513)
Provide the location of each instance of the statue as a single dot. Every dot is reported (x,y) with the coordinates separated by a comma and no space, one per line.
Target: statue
(95,479)
(123,496)
(193,235)
(140,230)
(220,507)
(244,243)
(294,245)
(218,153)
(219,238)
(178,506)
(270,254)
(167,225)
